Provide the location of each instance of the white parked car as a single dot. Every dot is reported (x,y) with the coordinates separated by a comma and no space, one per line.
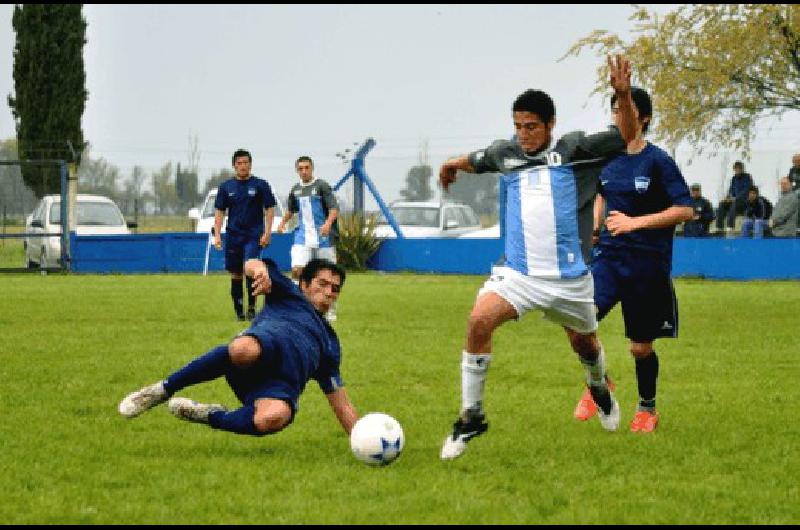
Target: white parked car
(204,216)
(96,215)
(429,219)
(484,233)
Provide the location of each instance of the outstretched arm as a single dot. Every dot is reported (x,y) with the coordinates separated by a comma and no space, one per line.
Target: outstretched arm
(343,409)
(447,173)
(257,270)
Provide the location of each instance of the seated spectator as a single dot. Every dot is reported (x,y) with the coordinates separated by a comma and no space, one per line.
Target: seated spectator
(736,200)
(756,214)
(697,226)
(794,173)
(784,220)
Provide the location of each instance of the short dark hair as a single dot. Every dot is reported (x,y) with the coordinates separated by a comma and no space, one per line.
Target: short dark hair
(312,268)
(695,186)
(241,152)
(643,104)
(304,158)
(738,163)
(753,188)
(537,102)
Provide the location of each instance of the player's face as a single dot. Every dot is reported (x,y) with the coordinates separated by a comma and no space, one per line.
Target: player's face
(323,290)
(533,134)
(242,166)
(305,170)
(617,118)
(695,193)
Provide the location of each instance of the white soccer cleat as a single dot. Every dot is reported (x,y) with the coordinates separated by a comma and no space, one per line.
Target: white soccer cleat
(190,410)
(142,400)
(610,421)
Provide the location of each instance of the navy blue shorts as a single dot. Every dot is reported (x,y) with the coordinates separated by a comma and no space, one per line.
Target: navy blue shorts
(282,370)
(642,282)
(237,251)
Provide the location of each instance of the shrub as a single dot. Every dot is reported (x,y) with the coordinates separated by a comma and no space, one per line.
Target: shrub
(357,242)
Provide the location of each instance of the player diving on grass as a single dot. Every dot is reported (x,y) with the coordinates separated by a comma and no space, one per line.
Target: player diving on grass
(548,223)
(268,365)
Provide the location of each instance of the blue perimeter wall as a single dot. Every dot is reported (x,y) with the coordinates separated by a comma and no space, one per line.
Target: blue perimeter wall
(738,259)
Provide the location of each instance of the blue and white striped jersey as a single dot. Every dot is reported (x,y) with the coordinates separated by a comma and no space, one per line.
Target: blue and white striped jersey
(312,202)
(549,200)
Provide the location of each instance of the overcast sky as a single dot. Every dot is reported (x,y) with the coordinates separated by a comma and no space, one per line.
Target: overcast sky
(283,81)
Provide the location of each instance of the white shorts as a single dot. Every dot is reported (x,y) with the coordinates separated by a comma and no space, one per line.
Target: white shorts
(302,254)
(568,302)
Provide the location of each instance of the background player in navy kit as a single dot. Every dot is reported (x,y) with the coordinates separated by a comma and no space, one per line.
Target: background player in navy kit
(268,365)
(645,196)
(315,236)
(548,219)
(251,207)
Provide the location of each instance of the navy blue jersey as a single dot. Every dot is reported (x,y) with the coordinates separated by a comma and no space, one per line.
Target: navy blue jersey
(289,323)
(641,184)
(245,202)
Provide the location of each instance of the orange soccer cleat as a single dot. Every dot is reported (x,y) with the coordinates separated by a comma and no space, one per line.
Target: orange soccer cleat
(644,421)
(586,407)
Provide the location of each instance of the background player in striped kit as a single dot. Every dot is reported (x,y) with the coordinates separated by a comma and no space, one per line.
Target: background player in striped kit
(548,220)
(316,231)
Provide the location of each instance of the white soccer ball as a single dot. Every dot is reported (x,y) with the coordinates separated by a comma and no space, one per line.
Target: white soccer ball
(377,439)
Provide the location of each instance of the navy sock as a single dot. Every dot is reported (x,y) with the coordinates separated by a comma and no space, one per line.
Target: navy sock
(646,377)
(239,421)
(251,300)
(207,367)
(236,294)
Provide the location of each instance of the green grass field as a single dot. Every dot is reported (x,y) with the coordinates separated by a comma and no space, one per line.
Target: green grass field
(73,346)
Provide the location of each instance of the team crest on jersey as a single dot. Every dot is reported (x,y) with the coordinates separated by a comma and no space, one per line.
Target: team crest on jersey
(641,184)
(251,192)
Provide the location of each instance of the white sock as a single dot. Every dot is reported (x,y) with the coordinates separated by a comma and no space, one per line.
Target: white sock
(474,368)
(595,372)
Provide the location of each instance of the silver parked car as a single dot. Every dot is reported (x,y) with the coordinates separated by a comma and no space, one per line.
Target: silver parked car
(96,215)
(430,219)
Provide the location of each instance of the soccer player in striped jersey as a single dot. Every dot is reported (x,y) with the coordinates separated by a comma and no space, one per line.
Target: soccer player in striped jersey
(645,196)
(548,223)
(315,236)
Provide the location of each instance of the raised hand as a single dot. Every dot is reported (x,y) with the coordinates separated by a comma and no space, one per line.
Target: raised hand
(619,72)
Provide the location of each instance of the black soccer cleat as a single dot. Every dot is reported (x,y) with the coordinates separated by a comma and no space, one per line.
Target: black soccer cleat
(471,424)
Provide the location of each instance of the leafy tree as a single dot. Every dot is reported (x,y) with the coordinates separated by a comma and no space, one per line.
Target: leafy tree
(166,197)
(216,179)
(479,191)
(15,197)
(186,187)
(418,184)
(98,176)
(50,88)
(713,69)
(133,196)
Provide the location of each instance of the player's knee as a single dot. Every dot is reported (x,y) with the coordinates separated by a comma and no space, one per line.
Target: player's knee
(640,350)
(271,421)
(244,351)
(480,325)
